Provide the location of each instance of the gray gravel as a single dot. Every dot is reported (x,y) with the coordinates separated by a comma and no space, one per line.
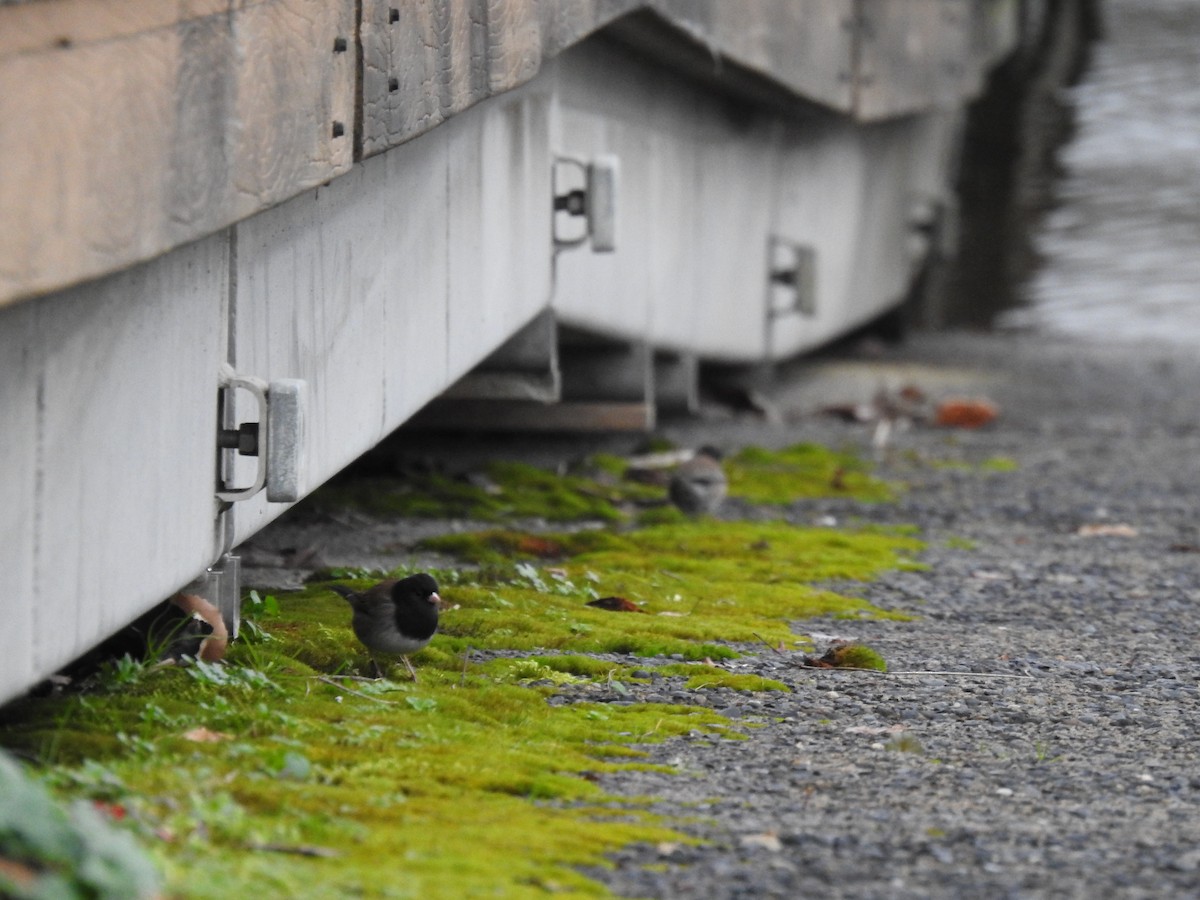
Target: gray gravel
(1079,777)
(1074,773)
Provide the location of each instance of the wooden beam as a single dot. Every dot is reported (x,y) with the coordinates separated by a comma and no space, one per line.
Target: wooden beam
(130,128)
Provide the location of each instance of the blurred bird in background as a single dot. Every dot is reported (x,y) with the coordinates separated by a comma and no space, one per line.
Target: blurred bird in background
(699,485)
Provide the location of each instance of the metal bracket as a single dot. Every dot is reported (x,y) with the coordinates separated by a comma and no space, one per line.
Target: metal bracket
(276,439)
(934,226)
(791,278)
(596,201)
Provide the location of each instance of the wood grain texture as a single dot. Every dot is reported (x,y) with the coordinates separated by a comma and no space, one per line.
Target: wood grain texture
(426,60)
(129,128)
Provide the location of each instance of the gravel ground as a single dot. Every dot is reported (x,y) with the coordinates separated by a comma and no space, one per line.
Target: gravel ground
(1038,734)
(1078,774)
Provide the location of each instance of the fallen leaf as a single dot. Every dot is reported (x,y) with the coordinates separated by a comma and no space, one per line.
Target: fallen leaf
(541,547)
(114,811)
(1107,530)
(18,873)
(203,735)
(615,604)
(965,412)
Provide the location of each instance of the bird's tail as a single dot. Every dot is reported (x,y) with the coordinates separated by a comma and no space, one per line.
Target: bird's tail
(349,593)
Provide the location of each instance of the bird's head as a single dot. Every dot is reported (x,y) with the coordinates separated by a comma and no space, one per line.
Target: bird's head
(422,586)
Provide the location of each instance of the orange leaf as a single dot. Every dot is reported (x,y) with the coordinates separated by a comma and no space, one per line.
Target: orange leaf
(966,412)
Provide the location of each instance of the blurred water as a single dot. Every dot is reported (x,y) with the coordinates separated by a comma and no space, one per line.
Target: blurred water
(1120,250)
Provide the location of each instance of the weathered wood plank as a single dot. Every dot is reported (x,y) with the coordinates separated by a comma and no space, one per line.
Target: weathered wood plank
(122,137)
(128,127)
(426,60)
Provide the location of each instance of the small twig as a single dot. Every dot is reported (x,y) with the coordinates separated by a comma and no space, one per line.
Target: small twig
(768,646)
(951,674)
(466,658)
(342,687)
(297,850)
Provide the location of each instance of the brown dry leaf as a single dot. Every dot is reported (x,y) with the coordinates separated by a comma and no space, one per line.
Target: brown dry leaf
(965,412)
(18,873)
(1117,529)
(541,547)
(204,735)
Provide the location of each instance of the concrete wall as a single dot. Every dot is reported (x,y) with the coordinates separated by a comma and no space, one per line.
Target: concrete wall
(378,290)
(190,205)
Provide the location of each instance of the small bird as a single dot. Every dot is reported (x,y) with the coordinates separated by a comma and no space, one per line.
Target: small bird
(395,618)
(699,485)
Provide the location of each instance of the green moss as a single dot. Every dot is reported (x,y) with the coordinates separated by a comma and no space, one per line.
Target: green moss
(508,490)
(844,655)
(959,543)
(992,464)
(697,583)
(477,780)
(701,676)
(597,490)
(799,472)
(468,782)
(998,464)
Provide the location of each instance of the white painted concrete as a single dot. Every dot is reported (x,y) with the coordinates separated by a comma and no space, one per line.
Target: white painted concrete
(108,453)
(385,286)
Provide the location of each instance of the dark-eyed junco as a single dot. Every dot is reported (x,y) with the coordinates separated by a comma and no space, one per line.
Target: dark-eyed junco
(395,618)
(699,485)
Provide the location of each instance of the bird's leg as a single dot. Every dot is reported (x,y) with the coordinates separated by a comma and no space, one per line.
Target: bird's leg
(411,670)
(375,668)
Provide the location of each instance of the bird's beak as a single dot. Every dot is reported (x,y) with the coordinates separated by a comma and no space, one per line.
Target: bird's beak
(436,600)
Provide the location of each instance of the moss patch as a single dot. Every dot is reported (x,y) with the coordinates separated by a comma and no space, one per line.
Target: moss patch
(282,773)
(799,472)
(698,583)
(268,779)
(597,490)
(504,490)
